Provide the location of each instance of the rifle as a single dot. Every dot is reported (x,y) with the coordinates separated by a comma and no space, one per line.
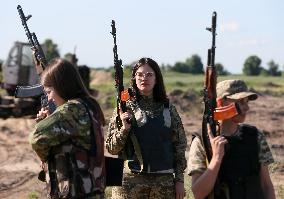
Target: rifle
(122,95)
(34,90)
(213,109)
(37,90)
(209,92)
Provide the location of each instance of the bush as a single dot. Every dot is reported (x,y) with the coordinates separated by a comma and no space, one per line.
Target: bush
(252,66)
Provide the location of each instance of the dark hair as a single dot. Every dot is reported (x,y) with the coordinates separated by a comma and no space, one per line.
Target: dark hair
(65,79)
(159,91)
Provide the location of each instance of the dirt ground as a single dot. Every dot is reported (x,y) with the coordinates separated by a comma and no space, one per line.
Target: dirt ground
(19,165)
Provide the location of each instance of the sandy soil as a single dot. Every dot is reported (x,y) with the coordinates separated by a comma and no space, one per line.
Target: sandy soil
(19,165)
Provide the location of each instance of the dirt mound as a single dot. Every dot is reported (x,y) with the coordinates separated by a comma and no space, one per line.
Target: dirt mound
(271,84)
(100,76)
(186,101)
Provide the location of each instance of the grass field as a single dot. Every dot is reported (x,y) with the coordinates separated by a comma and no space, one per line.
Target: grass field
(173,81)
(184,81)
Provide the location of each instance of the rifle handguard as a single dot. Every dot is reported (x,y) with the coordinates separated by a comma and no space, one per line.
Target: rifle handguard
(226,112)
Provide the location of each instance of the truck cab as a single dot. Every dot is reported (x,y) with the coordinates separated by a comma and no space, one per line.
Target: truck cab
(19,68)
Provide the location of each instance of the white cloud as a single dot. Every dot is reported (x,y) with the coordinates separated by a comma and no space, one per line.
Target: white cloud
(231,26)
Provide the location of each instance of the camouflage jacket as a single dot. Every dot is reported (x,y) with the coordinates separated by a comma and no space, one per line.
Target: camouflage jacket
(69,121)
(147,107)
(65,138)
(197,155)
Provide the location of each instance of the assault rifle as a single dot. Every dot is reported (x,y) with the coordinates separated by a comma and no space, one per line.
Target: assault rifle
(122,95)
(213,110)
(37,90)
(34,90)
(209,92)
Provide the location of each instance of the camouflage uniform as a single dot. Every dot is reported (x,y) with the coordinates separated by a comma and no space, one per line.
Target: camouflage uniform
(149,185)
(197,156)
(65,137)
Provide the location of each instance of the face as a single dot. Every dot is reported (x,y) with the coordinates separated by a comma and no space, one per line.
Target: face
(244,107)
(53,96)
(145,79)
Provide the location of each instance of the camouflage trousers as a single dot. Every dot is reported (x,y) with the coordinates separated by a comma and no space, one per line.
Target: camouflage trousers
(137,186)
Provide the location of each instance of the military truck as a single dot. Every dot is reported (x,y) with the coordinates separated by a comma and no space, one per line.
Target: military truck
(19,70)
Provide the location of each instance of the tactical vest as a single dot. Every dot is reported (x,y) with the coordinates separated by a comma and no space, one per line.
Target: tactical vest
(76,172)
(239,172)
(153,142)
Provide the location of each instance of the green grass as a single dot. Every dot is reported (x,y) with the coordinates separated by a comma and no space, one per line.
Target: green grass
(33,195)
(173,80)
(181,81)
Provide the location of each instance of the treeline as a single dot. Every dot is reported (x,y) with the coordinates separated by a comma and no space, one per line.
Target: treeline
(193,65)
(252,65)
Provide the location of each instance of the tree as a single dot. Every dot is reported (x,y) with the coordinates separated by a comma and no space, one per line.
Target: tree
(180,67)
(273,69)
(68,56)
(264,72)
(51,50)
(71,58)
(221,70)
(252,65)
(194,64)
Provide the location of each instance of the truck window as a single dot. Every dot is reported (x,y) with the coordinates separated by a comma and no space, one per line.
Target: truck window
(13,57)
(27,58)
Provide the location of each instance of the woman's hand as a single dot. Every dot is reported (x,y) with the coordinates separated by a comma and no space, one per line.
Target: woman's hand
(218,146)
(125,117)
(43,113)
(180,191)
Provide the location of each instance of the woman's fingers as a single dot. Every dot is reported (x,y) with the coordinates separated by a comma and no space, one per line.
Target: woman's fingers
(125,116)
(43,113)
(125,120)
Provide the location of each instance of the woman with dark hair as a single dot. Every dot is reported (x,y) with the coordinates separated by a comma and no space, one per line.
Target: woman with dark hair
(69,141)
(151,139)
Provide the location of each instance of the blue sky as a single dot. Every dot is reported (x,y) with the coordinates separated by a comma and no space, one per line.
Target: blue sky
(168,31)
